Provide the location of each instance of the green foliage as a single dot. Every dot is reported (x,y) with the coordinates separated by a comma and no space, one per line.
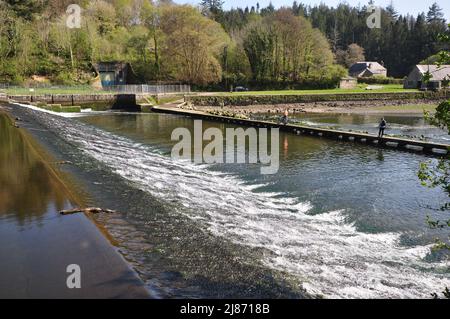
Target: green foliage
(71,109)
(163,42)
(432,174)
(380,80)
(284,47)
(26,8)
(442,116)
(64,78)
(401,42)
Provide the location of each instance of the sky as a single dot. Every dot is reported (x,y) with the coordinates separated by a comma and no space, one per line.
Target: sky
(402,6)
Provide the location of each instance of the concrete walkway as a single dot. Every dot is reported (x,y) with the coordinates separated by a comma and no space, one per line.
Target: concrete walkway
(368,139)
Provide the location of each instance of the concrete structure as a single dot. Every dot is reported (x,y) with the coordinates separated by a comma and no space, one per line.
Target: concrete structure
(367,70)
(368,139)
(348,83)
(115,73)
(438,74)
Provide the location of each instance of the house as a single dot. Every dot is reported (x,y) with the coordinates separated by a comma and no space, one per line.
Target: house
(115,73)
(348,83)
(367,69)
(415,78)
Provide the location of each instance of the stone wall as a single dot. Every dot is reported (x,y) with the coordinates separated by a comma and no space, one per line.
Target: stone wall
(245,100)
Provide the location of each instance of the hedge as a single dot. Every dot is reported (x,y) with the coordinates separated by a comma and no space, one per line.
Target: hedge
(380,80)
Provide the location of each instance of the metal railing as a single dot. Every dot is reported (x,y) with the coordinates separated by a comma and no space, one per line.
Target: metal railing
(45,88)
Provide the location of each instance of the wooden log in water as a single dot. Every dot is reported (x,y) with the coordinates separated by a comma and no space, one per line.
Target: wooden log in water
(91,210)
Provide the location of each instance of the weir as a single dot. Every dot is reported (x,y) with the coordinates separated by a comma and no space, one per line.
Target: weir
(403,144)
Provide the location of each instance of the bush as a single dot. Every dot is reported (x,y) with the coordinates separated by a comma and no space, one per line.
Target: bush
(328,80)
(64,78)
(380,80)
(56,108)
(71,109)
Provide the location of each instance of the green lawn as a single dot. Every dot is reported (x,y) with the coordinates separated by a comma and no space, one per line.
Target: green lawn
(389,88)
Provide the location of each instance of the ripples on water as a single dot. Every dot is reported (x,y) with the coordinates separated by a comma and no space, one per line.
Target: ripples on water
(407,125)
(310,235)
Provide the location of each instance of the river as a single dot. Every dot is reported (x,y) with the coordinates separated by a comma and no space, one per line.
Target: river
(339,220)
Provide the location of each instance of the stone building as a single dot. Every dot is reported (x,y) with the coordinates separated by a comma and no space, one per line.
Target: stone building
(439,75)
(367,70)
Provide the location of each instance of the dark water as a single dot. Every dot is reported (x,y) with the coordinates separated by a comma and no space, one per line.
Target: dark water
(30,190)
(406,125)
(38,243)
(345,220)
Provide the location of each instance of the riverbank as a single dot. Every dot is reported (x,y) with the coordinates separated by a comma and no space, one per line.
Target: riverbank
(38,244)
(374,107)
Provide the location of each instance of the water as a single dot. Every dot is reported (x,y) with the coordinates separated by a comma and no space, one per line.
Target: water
(345,220)
(403,124)
(30,189)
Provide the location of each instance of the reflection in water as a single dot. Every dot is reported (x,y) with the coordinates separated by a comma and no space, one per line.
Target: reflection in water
(285,147)
(28,186)
(380,155)
(345,219)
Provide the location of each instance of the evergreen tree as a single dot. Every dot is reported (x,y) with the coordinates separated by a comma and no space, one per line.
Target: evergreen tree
(435,14)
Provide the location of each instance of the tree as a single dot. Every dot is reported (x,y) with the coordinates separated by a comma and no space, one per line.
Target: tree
(104,14)
(435,14)
(194,45)
(353,54)
(150,17)
(212,8)
(437,174)
(212,5)
(285,47)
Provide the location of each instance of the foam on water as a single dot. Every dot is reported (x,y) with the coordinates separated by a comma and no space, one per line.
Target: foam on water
(326,252)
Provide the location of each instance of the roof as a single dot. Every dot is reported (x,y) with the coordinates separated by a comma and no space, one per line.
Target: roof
(438,72)
(110,66)
(373,67)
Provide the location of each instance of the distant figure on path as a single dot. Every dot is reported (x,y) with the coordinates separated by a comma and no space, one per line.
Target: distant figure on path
(382,127)
(284,118)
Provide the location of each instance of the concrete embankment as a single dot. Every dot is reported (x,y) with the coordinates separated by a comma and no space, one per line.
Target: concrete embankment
(105,101)
(368,139)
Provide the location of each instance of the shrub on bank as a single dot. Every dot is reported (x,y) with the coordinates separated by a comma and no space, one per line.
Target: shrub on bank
(58,107)
(380,80)
(71,109)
